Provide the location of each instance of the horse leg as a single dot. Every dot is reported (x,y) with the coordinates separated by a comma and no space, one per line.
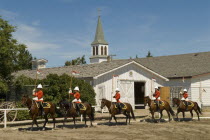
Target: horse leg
(33,121)
(197,114)
(53,116)
(115,119)
(64,121)
(110,120)
(169,117)
(177,114)
(129,117)
(183,114)
(161,115)
(153,118)
(46,120)
(74,122)
(91,124)
(126,117)
(191,114)
(85,120)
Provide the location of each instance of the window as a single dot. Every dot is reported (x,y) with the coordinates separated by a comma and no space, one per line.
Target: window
(96,50)
(105,50)
(102,50)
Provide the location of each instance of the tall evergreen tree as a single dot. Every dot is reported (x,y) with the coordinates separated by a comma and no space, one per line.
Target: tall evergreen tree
(13,56)
(149,54)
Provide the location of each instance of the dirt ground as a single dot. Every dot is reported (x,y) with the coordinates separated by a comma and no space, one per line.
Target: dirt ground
(138,129)
(142,128)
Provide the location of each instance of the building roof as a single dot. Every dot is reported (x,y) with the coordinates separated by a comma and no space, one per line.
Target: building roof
(99,36)
(172,66)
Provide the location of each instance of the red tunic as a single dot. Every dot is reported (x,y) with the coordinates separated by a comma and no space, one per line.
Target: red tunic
(76,95)
(185,95)
(156,94)
(39,95)
(117,97)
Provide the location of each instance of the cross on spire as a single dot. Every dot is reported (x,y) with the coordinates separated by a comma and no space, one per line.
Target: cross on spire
(99,12)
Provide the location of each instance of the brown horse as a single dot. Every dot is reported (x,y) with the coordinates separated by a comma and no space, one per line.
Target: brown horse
(153,108)
(182,108)
(34,111)
(70,111)
(114,111)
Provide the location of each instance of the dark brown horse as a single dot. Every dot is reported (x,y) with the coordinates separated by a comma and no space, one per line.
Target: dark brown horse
(70,111)
(114,111)
(182,108)
(34,111)
(153,108)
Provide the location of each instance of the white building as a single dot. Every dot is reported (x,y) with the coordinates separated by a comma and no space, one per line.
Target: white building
(137,78)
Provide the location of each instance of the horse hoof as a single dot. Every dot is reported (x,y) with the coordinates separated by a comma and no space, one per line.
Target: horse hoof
(43,129)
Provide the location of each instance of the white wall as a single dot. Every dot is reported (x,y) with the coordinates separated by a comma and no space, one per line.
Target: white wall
(104,83)
(200,88)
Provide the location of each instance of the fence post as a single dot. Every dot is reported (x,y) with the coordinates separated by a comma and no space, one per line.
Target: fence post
(5,118)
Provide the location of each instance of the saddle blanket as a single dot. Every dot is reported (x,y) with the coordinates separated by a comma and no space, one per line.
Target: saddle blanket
(80,105)
(122,105)
(161,103)
(189,103)
(43,104)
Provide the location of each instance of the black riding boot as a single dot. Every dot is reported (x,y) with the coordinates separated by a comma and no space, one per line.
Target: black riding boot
(119,107)
(157,105)
(77,109)
(186,105)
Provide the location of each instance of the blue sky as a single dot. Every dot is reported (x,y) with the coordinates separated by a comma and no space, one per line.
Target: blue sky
(60,30)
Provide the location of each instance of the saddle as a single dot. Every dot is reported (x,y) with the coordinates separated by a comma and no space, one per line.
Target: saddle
(43,104)
(80,106)
(188,103)
(159,102)
(120,105)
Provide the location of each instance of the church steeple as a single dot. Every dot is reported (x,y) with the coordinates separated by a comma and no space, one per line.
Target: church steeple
(100,48)
(99,36)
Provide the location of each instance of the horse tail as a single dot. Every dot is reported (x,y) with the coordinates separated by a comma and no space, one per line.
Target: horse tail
(92,112)
(171,111)
(199,109)
(133,116)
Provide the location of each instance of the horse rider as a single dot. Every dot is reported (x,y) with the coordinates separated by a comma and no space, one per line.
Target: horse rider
(185,98)
(156,96)
(76,100)
(39,97)
(117,97)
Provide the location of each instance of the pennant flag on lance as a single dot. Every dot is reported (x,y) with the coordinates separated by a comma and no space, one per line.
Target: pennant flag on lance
(183,79)
(38,72)
(74,72)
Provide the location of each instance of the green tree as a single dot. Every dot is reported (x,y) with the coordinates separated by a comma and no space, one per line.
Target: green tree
(57,88)
(77,61)
(149,54)
(13,56)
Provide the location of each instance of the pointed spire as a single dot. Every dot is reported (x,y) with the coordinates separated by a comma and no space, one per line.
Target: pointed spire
(99,36)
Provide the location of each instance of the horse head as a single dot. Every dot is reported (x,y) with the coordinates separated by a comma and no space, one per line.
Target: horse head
(103,102)
(64,104)
(146,100)
(175,101)
(24,99)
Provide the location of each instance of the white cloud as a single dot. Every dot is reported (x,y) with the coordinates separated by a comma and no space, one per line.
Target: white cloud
(36,23)
(8,14)
(34,38)
(78,41)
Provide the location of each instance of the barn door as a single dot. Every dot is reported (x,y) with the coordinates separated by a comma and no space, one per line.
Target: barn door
(165,94)
(127,91)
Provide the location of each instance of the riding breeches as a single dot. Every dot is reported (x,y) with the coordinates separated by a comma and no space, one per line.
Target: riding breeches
(76,100)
